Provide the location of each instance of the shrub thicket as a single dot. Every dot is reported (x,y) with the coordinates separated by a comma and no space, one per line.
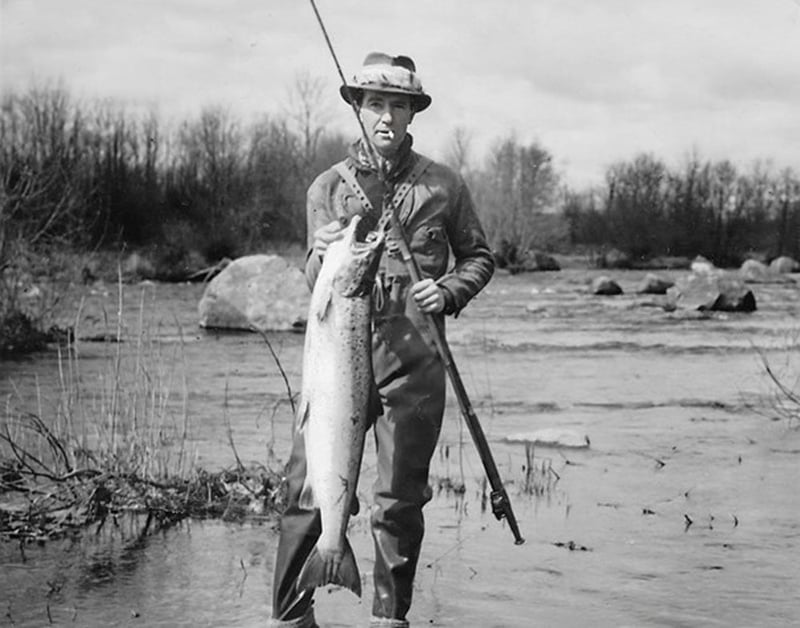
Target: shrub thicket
(83,177)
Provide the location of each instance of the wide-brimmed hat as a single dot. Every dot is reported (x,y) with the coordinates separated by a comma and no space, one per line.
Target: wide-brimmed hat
(384,73)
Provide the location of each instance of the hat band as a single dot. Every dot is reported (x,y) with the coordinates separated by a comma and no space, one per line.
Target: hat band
(388,76)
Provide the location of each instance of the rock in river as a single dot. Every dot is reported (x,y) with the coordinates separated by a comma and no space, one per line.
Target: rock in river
(754,271)
(605,286)
(784,264)
(711,292)
(654,284)
(256,291)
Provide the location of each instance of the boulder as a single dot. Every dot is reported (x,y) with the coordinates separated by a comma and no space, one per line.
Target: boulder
(605,286)
(734,297)
(531,261)
(711,292)
(545,262)
(784,264)
(754,271)
(654,284)
(552,437)
(256,291)
(700,265)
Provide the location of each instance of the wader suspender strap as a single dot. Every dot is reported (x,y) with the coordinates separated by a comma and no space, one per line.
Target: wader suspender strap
(400,192)
(349,177)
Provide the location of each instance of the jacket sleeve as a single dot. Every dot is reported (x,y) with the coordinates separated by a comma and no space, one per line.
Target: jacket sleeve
(473,259)
(319,212)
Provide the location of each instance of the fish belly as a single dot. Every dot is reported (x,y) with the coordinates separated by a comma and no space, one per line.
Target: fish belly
(336,387)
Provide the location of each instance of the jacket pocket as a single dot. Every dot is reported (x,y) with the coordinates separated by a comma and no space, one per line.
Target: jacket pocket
(429,245)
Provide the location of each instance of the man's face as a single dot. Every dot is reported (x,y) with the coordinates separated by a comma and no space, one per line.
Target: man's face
(386,118)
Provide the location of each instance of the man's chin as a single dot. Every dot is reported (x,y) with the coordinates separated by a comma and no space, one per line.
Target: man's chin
(385,146)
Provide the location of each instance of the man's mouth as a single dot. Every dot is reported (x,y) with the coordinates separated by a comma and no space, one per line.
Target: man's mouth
(385,133)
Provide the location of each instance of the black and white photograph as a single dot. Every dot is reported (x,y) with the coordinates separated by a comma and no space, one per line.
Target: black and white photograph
(336,313)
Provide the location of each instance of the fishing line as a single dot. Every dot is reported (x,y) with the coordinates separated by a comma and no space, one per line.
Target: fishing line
(367,145)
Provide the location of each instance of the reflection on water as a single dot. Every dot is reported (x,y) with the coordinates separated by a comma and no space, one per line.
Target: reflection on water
(682,513)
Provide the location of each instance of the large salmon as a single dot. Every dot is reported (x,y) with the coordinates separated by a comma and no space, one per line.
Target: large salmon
(335,399)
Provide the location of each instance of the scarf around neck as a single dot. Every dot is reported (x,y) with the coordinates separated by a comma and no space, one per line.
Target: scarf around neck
(392,169)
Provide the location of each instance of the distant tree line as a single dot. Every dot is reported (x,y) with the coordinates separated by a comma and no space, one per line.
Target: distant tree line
(94,176)
(645,210)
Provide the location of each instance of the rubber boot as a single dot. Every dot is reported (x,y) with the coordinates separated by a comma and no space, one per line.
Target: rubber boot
(411,381)
(306,621)
(299,531)
(385,622)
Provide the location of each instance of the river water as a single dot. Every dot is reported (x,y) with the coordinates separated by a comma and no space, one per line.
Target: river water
(684,510)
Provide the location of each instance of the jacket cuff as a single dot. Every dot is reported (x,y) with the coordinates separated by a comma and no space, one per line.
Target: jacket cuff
(450,306)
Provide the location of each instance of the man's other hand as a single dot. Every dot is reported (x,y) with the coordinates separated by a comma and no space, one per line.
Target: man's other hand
(325,235)
(428,296)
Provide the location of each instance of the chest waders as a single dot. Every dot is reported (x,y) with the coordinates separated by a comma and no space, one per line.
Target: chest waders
(410,379)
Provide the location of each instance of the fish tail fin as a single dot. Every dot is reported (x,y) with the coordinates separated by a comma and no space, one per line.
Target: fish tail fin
(320,570)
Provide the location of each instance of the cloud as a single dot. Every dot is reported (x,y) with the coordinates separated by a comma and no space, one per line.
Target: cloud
(593,81)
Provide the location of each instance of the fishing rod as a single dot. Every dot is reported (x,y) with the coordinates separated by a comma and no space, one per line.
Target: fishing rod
(501,505)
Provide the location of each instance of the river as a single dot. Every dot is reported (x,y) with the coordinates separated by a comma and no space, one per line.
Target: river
(684,510)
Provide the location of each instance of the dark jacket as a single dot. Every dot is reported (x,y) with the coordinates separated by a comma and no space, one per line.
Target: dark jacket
(440,218)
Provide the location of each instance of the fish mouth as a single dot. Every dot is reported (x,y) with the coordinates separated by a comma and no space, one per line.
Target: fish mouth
(366,247)
(363,237)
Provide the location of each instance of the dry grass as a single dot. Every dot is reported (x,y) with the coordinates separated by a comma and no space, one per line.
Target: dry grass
(784,377)
(121,446)
(540,477)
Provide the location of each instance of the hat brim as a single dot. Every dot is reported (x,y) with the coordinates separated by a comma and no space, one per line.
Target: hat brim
(351,93)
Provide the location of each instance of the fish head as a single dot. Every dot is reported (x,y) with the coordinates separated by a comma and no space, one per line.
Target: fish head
(361,251)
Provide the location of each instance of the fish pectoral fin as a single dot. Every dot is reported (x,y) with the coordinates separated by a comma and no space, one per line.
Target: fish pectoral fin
(340,570)
(324,305)
(306,501)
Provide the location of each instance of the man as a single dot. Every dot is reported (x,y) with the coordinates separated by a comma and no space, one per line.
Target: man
(437,215)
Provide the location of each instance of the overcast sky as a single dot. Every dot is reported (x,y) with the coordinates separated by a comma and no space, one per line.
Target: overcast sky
(594,82)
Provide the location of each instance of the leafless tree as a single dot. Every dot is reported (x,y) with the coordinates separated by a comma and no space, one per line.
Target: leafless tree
(458,152)
(308,113)
(516,187)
